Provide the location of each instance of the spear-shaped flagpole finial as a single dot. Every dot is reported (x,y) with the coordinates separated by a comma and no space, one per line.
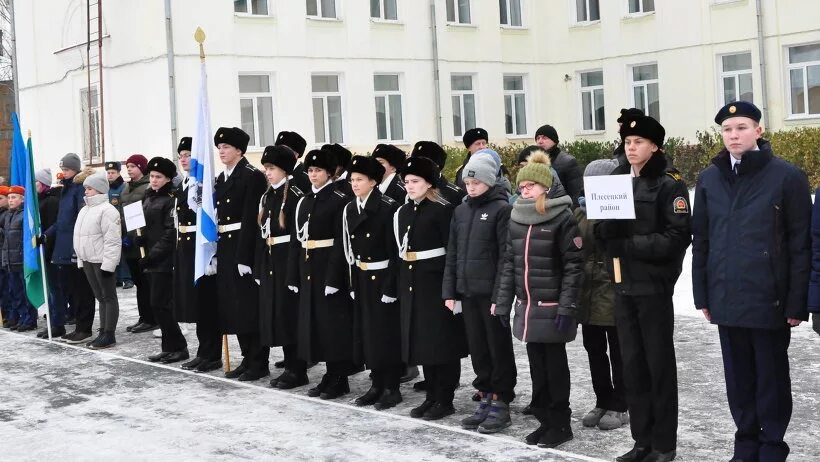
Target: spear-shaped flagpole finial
(199,36)
(29,133)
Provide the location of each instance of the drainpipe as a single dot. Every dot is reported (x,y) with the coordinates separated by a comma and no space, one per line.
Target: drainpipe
(764,93)
(436,71)
(15,81)
(172,91)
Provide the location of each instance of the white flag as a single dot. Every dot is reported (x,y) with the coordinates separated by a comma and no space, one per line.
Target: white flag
(201,197)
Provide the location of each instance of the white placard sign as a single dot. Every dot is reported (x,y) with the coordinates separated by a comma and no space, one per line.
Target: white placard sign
(609,197)
(134,217)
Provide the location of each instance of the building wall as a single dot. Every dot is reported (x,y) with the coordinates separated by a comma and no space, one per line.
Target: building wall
(685,39)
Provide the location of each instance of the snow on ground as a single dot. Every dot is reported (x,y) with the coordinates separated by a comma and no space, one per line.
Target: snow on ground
(75,404)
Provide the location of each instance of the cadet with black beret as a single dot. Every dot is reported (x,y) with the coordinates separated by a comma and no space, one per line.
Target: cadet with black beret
(298,144)
(392,159)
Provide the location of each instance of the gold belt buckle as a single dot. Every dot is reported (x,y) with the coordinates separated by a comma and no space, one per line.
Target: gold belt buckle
(311,245)
(220,229)
(270,241)
(410,256)
(363,266)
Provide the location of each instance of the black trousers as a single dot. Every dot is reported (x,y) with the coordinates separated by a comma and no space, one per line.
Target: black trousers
(442,381)
(491,349)
(549,370)
(208,334)
(645,328)
(606,371)
(255,356)
(82,298)
(141,282)
(387,377)
(292,361)
(756,366)
(161,294)
(342,368)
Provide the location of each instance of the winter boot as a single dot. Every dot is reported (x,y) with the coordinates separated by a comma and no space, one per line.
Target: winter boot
(439,411)
(498,418)
(613,419)
(105,340)
(338,387)
(480,414)
(559,432)
(390,398)
(369,398)
(593,417)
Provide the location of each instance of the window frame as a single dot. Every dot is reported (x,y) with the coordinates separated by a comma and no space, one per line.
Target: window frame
(256,139)
(248,4)
(724,74)
(591,89)
(326,113)
(320,16)
(645,84)
(90,156)
(642,11)
(386,94)
(381,17)
(457,21)
(521,12)
(460,94)
(788,82)
(511,93)
(585,22)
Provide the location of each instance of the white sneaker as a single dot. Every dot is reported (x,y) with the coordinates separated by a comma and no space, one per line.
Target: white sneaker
(593,417)
(158,333)
(613,419)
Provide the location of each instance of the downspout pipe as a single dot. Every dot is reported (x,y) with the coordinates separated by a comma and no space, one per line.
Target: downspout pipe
(436,71)
(172,91)
(764,91)
(14,78)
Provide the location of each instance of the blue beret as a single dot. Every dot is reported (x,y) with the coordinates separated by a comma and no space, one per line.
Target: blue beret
(738,109)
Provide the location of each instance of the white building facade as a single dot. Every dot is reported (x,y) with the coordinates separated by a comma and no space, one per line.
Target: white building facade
(362,72)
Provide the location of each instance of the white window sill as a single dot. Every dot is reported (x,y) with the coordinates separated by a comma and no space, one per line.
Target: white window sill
(462,25)
(590,132)
(251,15)
(513,28)
(394,142)
(720,3)
(585,24)
(802,117)
(518,137)
(389,22)
(323,19)
(637,16)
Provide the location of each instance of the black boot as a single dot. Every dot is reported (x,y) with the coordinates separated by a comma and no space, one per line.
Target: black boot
(320,387)
(105,340)
(390,398)
(559,431)
(192,364)
(289,380)
(234,374)
(369,398)
(418,412)
(533,438)
(636,454)
(338,387)
(439,411)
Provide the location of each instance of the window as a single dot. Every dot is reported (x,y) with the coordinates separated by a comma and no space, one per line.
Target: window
(515,105)
(736,78)
(645,90)
(384,9)
(510,12)
(389,125)
(592,101)
(327,109)
(90,108)
(321,8)
(587,11)
(251,6)
(641,6)
(804,79)
(461,87)
(256,108)
(458,11)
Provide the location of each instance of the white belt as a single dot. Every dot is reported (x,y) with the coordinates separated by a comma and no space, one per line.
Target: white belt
(186,229)
(372,266)
(278,239)
(425,254)
(229,228)
(310,245)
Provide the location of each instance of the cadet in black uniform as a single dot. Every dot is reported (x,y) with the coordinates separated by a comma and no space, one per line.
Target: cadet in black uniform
(450,192)
(341,181)
(157,264)
(318,273)
(295,141)
(370,249)
(432,335)
(237,191)
(278,306)
(194,301)
(392,159)
(649,250)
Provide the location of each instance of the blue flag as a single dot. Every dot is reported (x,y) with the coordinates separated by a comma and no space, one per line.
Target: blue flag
(202,172)
(18,159)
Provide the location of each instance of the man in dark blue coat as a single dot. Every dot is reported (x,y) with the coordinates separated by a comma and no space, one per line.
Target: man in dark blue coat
(750,268)
(814,284)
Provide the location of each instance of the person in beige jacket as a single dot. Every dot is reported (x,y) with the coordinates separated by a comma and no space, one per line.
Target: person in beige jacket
(98,245)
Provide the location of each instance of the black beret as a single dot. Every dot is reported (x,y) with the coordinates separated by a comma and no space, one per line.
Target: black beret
(526,152)
(322,158)
(367,166)
(627,114)
(184,144)
(113,165)
(292,140)
(280,156)
(343,156)
(738,109)
(235,137)
(163,165)
(549,131)
(393,155)
(423,167)
(474,134)
(645,127)
(431,151)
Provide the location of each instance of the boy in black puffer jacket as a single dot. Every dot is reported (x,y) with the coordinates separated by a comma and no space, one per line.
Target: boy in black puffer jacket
(478,234)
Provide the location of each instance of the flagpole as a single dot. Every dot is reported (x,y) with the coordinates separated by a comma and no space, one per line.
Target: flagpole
(199,36)
(42,258)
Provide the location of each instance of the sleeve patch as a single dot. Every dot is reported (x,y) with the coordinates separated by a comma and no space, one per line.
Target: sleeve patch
(680,205)
(578,241)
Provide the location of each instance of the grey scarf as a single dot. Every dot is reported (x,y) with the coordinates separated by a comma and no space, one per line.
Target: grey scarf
(524,210)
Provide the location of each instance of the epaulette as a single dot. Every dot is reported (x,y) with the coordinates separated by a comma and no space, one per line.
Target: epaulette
(340,194)
(674,175)
(453,187)
(443,201)
(401,186)
(297,191)
(388,200)
(251,167)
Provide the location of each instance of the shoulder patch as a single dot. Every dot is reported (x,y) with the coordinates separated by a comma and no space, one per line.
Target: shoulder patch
(578,241)
(453,187)
(388,200)
(340,194)
(400,186)
(680,205)
(674,175)
(251,167)
(297,191)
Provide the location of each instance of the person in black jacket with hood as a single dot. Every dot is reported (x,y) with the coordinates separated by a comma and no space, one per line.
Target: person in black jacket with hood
(158,262)
(649,252)
(475,249)
(570,173)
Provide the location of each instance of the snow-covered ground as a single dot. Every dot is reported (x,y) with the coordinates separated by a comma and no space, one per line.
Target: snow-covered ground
(70,403)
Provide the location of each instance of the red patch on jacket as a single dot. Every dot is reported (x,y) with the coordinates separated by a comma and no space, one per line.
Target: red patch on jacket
(578,241)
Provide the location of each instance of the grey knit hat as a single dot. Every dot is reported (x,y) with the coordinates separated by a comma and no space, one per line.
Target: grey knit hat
(43,176)
(97,181)
(601,167)
(71,161)
(482,167)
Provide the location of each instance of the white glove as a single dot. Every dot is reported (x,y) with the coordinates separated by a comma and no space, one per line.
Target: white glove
(258,282)
(330,290)
(294,289)
(244,270)
(386,299)
(353,295)
(210,270)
